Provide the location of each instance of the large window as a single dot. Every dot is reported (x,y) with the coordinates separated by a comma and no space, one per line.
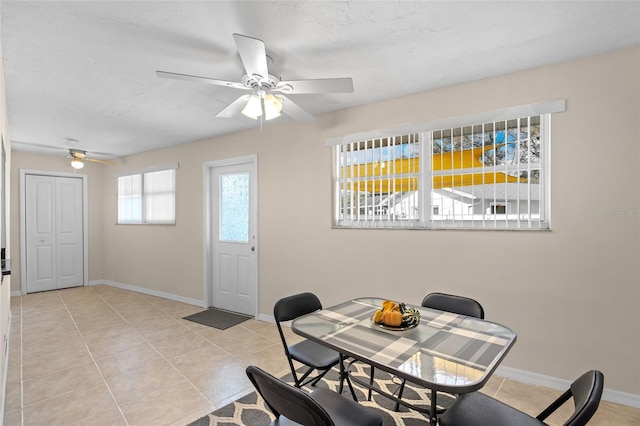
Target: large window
(147,198)
(490,175)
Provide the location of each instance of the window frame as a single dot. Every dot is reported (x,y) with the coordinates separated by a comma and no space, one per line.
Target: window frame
(425,203)
(144,213)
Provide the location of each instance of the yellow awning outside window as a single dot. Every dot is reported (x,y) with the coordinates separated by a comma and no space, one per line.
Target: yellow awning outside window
(379,177)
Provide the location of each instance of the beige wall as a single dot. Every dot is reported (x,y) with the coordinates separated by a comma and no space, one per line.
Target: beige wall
(5,295)
(571,294)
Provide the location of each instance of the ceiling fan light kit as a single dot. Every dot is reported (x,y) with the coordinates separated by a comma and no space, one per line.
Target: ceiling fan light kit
(262,102)
(253,109)
(77,164)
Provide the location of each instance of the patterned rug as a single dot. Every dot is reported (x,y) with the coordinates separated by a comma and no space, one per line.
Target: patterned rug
(250,410)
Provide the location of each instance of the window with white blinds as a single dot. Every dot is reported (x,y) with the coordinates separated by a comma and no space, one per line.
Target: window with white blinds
(147,198)
(490,175)
(379,182)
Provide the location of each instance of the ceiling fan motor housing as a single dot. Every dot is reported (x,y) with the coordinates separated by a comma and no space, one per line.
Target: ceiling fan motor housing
(77,153)
(258,82)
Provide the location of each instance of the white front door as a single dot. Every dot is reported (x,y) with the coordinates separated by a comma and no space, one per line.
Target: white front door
(234,243)
(54,232)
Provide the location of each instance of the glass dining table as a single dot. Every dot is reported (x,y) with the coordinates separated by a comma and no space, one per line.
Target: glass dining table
(444,352)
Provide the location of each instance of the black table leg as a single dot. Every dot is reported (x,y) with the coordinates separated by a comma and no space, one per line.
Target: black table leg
(344,376)
(433,415)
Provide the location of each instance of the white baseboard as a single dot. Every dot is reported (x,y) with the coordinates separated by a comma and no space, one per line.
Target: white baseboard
(551,382)
(156,293)
(266,318)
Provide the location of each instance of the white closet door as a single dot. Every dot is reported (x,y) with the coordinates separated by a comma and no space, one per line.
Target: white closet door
(54,232)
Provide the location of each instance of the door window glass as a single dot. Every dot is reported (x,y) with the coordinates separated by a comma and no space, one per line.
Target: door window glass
(234,207)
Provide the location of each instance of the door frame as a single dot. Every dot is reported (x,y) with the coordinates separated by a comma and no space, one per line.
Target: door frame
(208,168)
(23,228)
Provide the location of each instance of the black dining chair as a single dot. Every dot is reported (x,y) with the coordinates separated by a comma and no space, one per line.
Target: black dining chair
(313,355)
(322,407)
(452,303)
(478,409)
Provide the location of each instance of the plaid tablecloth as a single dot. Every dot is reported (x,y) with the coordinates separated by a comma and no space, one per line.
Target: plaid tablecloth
(447,336)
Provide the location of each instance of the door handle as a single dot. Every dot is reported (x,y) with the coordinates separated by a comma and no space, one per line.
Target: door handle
(253,248)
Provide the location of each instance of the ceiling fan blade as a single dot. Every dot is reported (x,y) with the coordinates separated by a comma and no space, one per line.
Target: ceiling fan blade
(253,55)
(294,111)
(234,108)
(95,160)
(325,85)
(187,77)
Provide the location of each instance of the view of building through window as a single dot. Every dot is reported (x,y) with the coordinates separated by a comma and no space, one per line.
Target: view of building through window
(482,176)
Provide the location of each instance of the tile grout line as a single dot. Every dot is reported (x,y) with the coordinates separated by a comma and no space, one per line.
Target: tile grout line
(495,395)
(153,347)
(246,391)
(93,359)
(22,374)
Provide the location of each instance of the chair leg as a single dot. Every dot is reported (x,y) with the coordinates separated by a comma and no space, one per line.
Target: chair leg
(294,374)
(400,390)
(299,382)
(314,381)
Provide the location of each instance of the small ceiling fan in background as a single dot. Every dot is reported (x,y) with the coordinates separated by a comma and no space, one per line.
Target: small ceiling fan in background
(79,156)
(267,98)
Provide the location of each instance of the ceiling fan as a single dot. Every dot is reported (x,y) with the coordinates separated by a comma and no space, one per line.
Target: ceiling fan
(267,98)
(78,157)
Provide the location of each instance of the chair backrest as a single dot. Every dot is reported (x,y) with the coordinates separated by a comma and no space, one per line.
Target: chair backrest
(586,391)
(288,401)
(292,307)
(452,303)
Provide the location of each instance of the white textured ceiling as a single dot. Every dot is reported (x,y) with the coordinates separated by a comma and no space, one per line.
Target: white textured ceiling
(85,70)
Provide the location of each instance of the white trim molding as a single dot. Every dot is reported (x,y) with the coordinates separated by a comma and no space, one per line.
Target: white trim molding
(266,318)
(170,166)
(551,107)
(551,382)
(169,296)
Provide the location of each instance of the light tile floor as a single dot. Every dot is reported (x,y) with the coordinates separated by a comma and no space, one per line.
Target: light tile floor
(105,356)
